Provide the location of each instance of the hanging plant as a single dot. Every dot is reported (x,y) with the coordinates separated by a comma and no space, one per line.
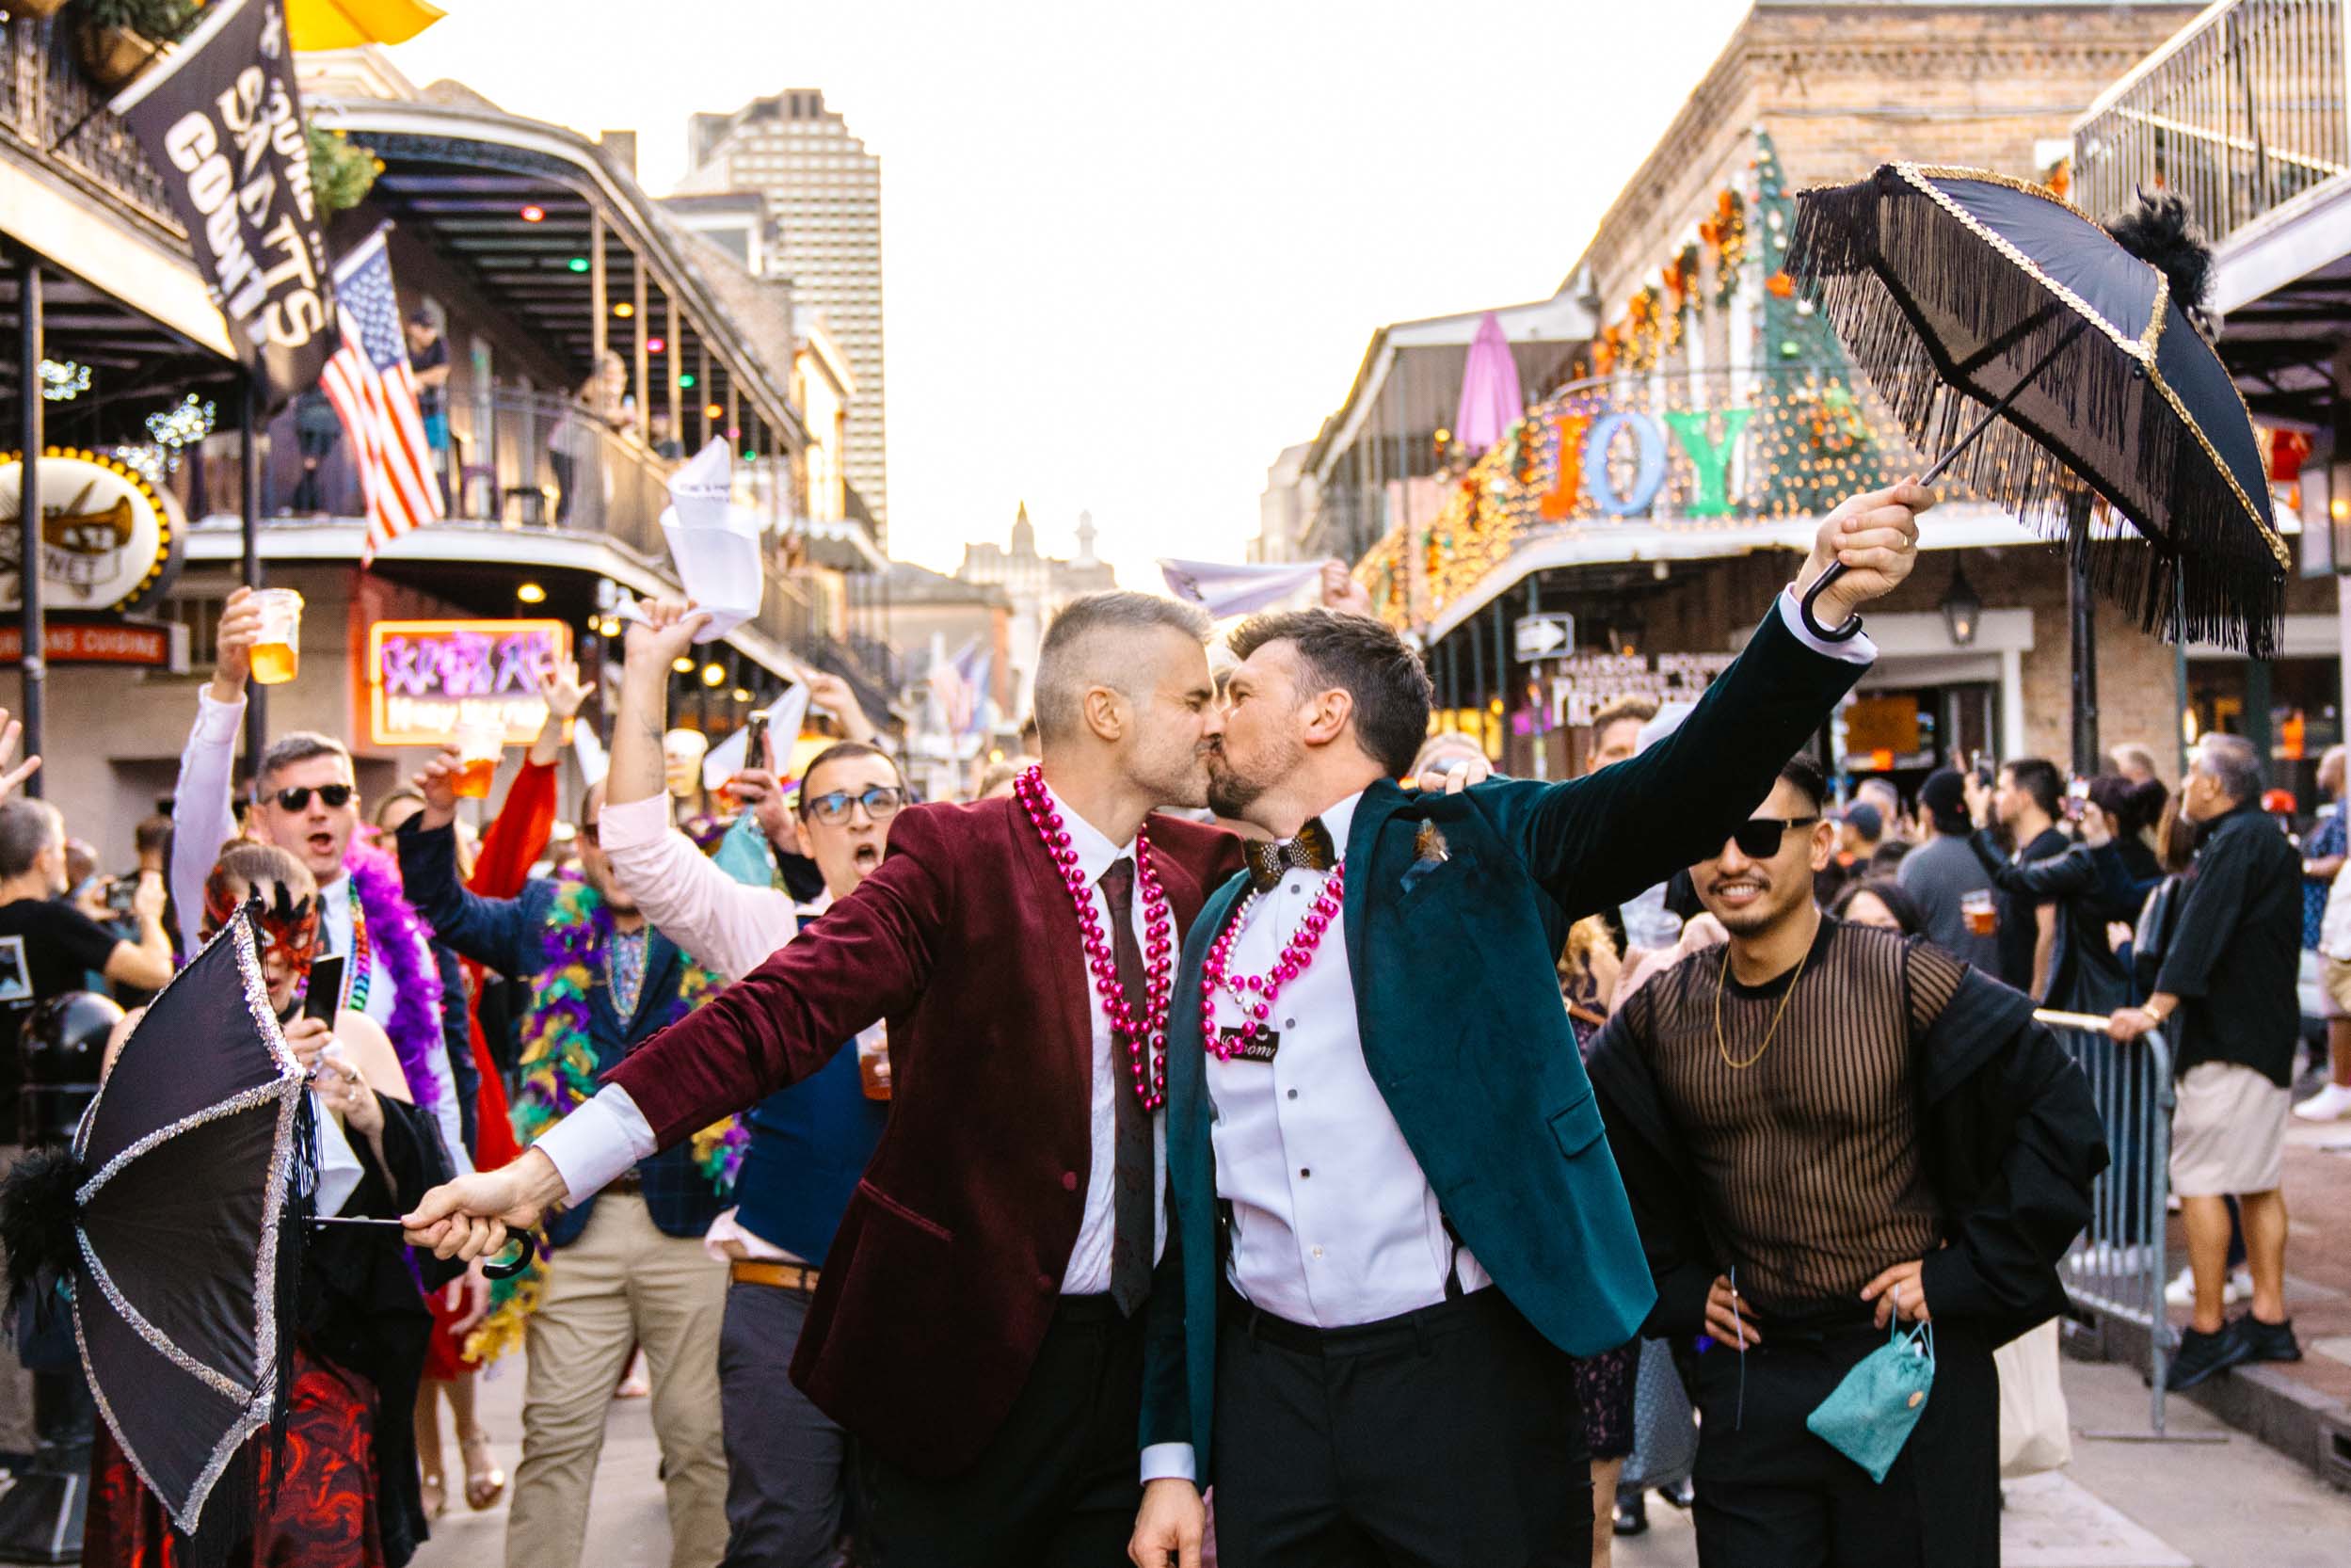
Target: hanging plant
(342,171)
(114,40)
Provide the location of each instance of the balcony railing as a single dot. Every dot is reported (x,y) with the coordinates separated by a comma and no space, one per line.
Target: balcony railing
(49,113)
(2240,112)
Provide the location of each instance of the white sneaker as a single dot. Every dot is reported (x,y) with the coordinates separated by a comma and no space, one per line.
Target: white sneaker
(2181,1290)
(2331,1104)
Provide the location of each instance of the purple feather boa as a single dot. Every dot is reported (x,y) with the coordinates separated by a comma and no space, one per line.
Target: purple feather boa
(395,932)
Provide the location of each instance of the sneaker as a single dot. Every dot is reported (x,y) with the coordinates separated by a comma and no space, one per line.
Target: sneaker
(2181,1290)
(2201,1355)
(1632,1511)
(2265,1341)
(2331,1104)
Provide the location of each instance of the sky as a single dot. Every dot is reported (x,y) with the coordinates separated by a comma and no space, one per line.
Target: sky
(1130,252)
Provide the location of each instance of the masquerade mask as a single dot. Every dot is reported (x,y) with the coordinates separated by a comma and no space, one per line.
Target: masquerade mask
(282,922)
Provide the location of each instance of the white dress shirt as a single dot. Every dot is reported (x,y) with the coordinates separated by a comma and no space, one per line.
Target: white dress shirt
(1334,1223)
(608,1135)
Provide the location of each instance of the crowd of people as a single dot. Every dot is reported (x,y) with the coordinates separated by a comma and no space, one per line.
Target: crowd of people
(1199,1146)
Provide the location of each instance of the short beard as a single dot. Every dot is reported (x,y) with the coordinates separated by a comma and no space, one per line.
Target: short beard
(1230,795)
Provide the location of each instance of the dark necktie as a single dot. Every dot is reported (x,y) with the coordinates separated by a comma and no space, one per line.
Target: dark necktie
(1311,851)
(1131,1221)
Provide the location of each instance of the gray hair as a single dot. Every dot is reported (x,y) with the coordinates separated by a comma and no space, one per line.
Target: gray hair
(1090,643)
(2232,763)
(27,828)
(299,746)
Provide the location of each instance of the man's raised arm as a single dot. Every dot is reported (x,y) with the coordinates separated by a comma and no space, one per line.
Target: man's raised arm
(203,818)
(868,958)
(1595,843)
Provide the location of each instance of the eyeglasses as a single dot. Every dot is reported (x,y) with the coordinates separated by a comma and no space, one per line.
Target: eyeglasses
(336,796)
(881,803)
(1760,837)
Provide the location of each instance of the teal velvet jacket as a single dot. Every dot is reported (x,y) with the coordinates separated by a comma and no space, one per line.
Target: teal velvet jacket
(1457,1000)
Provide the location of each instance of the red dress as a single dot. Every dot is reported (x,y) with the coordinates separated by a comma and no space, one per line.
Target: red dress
(323,1515)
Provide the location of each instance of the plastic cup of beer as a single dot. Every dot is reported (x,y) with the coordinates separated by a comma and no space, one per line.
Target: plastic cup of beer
(873,1062)
(276,652)
(480,743)
(1983,919)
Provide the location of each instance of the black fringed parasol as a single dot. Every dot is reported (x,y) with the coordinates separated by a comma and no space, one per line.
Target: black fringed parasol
(2040,357)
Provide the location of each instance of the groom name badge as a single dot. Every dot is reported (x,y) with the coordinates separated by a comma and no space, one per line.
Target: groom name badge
(1256,1043)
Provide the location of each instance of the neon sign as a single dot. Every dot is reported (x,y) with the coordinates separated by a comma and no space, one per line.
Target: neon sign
(426,676)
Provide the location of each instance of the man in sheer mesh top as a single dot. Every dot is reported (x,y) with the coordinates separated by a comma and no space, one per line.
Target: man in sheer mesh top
(1823,1127)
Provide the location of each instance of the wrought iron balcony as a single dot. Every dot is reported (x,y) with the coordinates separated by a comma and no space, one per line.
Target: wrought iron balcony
(51,116)
(2240,112)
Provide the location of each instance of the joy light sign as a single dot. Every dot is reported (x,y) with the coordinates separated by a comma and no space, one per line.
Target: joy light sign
(424,677)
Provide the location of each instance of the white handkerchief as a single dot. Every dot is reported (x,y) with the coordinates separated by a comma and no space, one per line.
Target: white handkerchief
(731,755)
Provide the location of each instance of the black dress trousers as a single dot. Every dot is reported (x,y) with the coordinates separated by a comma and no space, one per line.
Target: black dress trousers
(1447,1438)
(1772,1494)
(1059,1482)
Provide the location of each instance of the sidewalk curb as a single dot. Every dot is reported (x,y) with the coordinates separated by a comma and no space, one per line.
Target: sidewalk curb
(2306,1426)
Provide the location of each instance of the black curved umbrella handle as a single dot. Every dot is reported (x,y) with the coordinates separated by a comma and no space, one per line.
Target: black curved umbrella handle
(1812,622)
(522,1245)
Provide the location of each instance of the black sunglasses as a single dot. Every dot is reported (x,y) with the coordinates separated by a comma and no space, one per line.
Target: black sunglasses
(337,796)
(1760,837)
(881,801)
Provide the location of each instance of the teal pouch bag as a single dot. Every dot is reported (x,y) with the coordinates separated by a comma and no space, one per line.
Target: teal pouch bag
(1870,1415)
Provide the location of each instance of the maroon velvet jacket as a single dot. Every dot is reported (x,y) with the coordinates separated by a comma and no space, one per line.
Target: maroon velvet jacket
(947,1268)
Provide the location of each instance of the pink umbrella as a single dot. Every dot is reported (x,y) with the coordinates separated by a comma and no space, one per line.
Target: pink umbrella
(1491,403)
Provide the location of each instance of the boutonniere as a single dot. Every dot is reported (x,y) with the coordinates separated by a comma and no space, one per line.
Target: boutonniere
(1428,853)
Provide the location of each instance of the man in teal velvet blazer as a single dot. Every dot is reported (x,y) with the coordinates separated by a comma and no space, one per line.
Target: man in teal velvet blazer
(1394,1216)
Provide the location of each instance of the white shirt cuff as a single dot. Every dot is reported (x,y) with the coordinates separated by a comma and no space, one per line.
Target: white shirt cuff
(1856,649)
(597,1142)
(1169,1462)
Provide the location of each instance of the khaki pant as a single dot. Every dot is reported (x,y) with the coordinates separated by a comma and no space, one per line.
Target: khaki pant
(622,1283)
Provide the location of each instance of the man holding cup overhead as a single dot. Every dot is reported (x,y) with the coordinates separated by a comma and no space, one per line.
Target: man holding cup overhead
(305,799)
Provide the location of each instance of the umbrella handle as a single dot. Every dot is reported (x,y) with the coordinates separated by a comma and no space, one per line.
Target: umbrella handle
(1812,623)
(523,1244)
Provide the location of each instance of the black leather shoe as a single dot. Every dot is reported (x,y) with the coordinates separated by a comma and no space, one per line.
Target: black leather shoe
(2201,1355)
(1680,1494)
(2266,1341)
(1632,1511)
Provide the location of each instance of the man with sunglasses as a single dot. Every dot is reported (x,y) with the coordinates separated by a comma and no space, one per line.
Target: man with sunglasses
(786,1462)
(1824,1129)
(305,799)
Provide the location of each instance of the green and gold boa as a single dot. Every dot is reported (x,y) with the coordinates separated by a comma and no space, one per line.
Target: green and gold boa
(559,1076)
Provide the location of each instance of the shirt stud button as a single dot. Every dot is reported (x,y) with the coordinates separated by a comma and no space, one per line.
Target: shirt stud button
(1293,1093)
(1069,1181)
(1303,1173)
(1317,1252)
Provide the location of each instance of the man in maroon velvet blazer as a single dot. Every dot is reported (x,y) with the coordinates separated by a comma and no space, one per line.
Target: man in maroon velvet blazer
(975,1326)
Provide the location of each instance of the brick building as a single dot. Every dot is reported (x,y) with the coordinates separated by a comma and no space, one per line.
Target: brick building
(1699,354)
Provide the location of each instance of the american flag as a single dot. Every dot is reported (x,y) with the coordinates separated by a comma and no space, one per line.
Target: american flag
(373,388)
(961,686)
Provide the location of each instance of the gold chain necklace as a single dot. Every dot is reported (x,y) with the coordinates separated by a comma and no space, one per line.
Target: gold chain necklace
(1770,1034)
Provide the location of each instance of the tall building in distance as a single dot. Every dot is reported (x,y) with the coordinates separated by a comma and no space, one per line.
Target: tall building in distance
(825,191)
(1038,586)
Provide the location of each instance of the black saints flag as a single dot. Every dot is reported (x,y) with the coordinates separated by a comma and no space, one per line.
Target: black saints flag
(219,119)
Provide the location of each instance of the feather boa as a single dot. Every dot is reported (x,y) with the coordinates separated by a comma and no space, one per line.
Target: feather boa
(396,933)
(559,1075)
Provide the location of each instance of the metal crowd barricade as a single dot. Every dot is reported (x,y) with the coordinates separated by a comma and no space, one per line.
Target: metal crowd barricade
(2117,1266)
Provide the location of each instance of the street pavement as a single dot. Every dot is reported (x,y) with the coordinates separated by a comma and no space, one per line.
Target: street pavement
(2230,1503)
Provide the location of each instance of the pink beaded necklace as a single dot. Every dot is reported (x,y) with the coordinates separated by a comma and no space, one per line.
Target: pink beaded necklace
(1146,1035)
(1255,994)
